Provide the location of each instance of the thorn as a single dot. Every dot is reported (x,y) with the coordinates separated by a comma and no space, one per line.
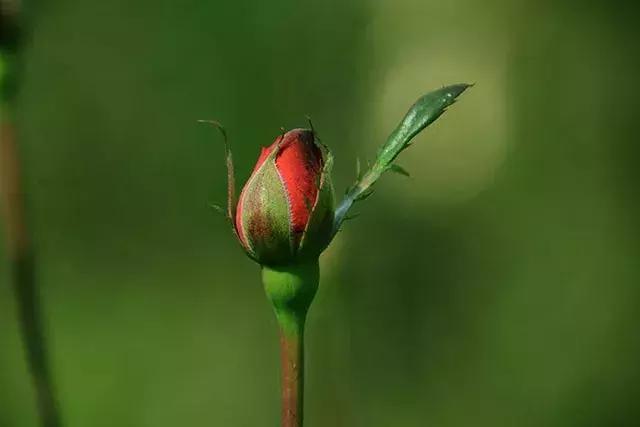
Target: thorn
(364,195)
(352,216)
(398,169)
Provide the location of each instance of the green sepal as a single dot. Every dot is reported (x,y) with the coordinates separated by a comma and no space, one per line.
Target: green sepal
(318,232)
(266,215)
(231,181)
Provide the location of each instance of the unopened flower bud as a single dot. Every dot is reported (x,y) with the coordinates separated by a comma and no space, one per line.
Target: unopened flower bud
(286,209)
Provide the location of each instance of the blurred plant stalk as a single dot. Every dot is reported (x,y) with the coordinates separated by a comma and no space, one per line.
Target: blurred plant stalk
(19,245)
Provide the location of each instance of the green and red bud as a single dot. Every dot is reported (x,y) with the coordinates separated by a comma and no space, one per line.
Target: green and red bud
(285,212)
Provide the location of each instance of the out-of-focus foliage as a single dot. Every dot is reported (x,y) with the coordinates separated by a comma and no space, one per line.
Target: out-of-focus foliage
(497,287)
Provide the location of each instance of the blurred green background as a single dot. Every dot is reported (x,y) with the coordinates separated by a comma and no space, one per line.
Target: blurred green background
(498,286)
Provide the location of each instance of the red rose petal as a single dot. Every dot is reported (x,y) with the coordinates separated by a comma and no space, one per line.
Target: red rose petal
(299,163)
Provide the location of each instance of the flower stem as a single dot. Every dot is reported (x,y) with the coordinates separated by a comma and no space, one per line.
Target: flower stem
(292,376)
(291,290)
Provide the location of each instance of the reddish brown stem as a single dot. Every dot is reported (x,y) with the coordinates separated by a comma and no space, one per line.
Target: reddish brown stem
(10,189)
(17,231)
(21,257)
(292,371)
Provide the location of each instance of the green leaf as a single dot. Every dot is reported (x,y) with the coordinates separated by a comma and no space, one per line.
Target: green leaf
(424,112)
(421,114)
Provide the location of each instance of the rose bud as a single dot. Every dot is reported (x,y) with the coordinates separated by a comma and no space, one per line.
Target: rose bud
(285,210)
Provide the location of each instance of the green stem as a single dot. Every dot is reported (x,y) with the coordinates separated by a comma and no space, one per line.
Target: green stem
(291,290)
